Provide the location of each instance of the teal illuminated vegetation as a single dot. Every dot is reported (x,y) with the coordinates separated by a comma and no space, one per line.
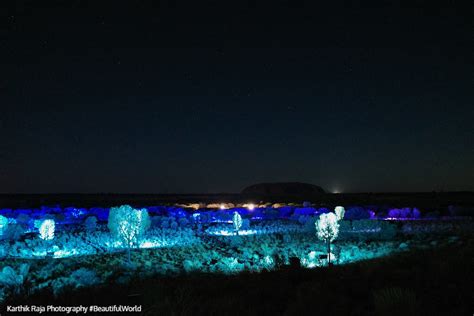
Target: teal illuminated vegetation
(221,238)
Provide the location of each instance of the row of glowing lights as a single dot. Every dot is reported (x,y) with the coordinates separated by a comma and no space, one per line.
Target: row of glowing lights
(249,206)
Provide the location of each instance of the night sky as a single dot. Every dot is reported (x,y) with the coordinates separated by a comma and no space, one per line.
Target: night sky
(153,97)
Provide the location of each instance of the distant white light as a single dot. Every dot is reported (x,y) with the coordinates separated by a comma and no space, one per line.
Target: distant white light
(222,207)
(251,207)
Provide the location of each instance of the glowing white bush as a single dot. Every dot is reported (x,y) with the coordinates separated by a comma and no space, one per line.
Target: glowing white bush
(327,227)
(128,225)
(46,229)
(237,221)
(3,224)
(340,211)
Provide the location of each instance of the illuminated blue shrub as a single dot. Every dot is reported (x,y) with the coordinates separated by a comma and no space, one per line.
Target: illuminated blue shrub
(285,211)
(90,223)
(354,213)
(101,213)
(67,244)
(387,231)
(177,213)
(404,213)
(323,210)
(345,229)
(183,222)
(394,213)
(165,223)
(14,231)
(155,221)
(221,216)
(365,227)
(308,222)
(74,212)
(267,213)
(305,211)
(368,229)
(23,219)
(302,219)
(6,212)
(3,225)
(3,250)
(173,224)
(128,225)
(192,266)
(228,265)
(13,280)
(374,230)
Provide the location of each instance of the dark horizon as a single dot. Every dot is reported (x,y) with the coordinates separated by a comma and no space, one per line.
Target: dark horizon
(214,97)
(230,193)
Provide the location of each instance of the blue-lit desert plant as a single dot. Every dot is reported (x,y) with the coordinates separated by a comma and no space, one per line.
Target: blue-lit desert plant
(12,280)
(3,225)
(90,223)
(128,225)
(355,213)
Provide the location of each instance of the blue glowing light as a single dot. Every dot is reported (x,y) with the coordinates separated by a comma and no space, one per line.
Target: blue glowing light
(3,224)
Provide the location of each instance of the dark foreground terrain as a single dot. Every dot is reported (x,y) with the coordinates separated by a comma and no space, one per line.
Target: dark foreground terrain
(419,282)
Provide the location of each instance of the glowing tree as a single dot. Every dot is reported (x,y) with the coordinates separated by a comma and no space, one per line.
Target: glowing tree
(3,224)
(327,229)
(237,221)
(340,211)
(128,225)
(46,229)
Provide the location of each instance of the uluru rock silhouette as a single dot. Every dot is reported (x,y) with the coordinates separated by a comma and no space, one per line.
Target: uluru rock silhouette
(283,189)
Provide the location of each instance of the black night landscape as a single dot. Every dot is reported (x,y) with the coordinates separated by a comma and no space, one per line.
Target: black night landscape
(236,157)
